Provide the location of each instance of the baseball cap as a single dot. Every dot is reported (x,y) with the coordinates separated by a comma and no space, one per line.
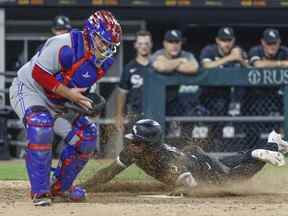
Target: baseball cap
(173,35)
(271,35)
(226,33)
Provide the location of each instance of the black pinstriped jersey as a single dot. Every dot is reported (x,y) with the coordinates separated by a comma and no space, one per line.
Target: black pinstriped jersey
(132,79)
(165,163)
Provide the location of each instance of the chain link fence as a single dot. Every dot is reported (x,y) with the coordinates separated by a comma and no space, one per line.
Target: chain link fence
(223,119)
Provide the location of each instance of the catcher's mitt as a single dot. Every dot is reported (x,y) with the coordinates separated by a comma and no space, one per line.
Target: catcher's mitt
(98,103)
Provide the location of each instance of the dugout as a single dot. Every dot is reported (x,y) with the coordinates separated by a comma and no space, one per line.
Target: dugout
(24,25)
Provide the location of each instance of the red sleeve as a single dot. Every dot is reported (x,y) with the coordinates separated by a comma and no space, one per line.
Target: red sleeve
(44,79)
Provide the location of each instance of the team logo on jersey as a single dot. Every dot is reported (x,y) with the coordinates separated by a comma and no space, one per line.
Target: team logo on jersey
(136,80)
(132,70)
(86,75)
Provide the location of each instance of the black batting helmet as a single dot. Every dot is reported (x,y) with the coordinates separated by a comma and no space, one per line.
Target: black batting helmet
(61,23)
(145,130)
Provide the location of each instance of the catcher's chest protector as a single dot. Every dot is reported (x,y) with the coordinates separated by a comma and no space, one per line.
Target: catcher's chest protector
(78,67)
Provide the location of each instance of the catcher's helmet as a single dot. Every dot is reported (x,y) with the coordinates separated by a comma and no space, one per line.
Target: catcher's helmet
(145,130)
(105,25)
(61,23)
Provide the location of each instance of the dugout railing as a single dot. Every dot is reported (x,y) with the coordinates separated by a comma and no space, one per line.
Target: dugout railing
(155,93)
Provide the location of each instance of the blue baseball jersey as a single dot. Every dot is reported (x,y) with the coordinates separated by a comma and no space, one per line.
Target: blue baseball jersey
(63,57)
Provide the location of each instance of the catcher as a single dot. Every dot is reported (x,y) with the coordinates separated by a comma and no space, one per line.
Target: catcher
(55,79)
(187,169)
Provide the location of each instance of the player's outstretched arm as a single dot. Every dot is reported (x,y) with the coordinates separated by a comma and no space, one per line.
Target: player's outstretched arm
(104,175)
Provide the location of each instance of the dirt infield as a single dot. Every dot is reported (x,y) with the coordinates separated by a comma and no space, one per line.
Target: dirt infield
(252,198)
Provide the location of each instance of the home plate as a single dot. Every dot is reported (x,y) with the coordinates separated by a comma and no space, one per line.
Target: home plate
(160,196)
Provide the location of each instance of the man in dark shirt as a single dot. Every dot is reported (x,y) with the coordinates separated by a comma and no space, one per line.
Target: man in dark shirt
(173,59)
(223,54)
(221,101)
(269,54)
(131,82)
(190,167)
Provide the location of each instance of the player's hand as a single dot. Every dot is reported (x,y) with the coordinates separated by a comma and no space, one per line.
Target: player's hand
(77,97)
(236,54)
(182,61)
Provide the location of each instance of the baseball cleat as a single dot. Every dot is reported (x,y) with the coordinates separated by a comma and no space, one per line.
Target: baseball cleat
(43,200)
(74,194)
(272,157)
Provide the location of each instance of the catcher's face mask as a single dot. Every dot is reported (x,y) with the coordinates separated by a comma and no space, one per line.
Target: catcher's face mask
(103,49)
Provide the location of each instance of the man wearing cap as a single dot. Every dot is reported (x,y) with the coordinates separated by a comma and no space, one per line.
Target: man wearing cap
(223,54)
(61,25)
(130,89)
(173,59)
(269,54)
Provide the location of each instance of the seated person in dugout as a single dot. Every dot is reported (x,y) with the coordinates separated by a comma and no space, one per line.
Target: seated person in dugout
(269,54)
(191,167)
(173,59)
(224,53)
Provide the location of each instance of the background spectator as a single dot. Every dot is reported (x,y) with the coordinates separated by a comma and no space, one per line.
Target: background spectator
(173,59)
(222,100)
(131,82)
(61,25)
(269,54)
(223,54)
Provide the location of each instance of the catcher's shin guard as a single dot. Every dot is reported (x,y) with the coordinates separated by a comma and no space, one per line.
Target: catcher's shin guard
(81,145)
(39,128)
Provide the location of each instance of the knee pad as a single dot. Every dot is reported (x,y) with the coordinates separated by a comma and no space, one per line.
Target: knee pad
(83,136)
(81,144)
(39,128)
(39,125)
(87,142)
